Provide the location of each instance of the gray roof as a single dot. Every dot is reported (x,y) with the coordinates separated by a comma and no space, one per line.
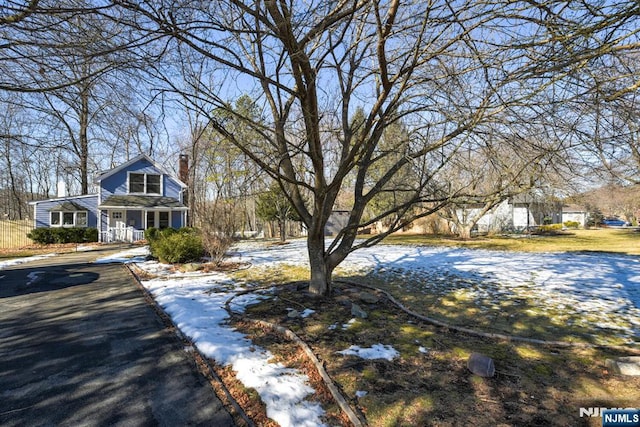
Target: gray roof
(573,209)
(67,206)
(141,201)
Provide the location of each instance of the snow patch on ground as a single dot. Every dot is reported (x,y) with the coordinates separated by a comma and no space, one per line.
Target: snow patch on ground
(196,305)
(376,351)
(17,261)
(601,288)
(132,255)
(307,312)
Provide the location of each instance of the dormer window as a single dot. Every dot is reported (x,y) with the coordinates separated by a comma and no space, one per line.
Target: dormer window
(145,183)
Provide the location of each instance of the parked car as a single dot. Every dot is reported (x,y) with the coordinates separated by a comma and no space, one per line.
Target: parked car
(614,222)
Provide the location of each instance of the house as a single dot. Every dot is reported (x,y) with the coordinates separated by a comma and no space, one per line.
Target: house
(131,198)
(574,213)
(531,210)
(520,212)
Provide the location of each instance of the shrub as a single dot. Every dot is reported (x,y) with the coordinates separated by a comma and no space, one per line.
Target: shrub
(571,224)
(166,232)
(549,229)
(43,236)
(175,246)
(216,244)
(47,236)
(151,233)
(69,235)
(91,234)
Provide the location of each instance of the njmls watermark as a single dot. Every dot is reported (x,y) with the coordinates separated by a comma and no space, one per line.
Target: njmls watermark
(614,417)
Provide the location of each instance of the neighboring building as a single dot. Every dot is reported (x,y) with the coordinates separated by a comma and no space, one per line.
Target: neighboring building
(574,213)
(497,219)
(528,211)
(132,197)
(516,213)
(336,222)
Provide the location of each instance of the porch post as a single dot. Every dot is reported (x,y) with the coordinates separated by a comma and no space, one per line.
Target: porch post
(98,225)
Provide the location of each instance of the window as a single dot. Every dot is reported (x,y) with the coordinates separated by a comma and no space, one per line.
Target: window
(158,219)
(153,184)
(164,220)
(55,219)
(145,183)
(81,219)
(136,183)
(68,219)
(151,219)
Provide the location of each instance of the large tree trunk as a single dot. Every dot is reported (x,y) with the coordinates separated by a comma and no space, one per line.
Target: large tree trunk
(282,223)
(17,199)
(321,272)
(464,231)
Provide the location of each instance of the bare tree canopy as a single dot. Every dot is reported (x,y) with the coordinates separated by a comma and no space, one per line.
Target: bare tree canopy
(371,98)
(76,74)
(45,43)
(451,72)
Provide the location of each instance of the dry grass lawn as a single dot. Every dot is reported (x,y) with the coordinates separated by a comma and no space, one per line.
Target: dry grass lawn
(429,383)
(619,240)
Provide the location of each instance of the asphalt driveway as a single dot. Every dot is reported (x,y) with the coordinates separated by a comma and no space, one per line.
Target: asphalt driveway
(79,346)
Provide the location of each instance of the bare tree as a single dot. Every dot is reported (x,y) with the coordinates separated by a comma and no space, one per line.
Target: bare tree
(446,70)
(12,12)
(45,42)
(24,173)
(494,168)
(78,68)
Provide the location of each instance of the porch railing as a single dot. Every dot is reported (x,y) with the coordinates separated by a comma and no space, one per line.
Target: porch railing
(121,234)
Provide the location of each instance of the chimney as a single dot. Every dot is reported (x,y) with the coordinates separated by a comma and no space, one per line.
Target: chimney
(183,168)
(62,189)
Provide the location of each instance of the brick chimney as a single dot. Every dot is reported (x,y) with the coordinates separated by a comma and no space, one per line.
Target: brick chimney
(183,168)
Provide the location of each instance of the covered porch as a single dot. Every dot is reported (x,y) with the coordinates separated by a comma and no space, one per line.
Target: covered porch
(125,218)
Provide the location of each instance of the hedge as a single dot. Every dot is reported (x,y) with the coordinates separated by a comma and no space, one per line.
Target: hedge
(47,236)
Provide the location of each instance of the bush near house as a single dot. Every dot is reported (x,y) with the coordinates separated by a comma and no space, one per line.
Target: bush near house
(571,224)
(47,236)
(175,246)
(549,228)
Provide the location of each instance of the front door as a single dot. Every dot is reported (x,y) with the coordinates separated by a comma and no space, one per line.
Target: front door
(116,219)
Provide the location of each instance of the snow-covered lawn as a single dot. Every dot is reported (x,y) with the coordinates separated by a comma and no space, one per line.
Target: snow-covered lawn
(602,286)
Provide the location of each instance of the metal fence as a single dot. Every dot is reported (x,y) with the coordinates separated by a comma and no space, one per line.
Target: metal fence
(13,234)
